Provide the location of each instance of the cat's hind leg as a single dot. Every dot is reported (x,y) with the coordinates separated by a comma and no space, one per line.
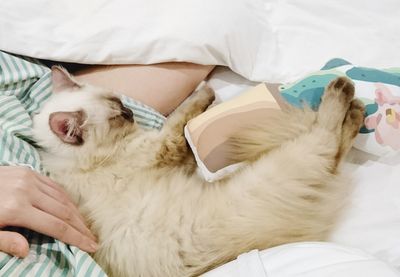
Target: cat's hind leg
(341,114)
(269,133)
(281,126)
(338,121)
(353,121)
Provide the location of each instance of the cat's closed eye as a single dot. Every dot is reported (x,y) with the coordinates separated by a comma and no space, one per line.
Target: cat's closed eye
(120,110)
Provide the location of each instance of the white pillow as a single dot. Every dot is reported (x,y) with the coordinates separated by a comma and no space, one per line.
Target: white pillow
(263,40)
(221,32)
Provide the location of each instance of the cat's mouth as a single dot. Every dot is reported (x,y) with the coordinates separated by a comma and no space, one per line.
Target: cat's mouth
(67,126)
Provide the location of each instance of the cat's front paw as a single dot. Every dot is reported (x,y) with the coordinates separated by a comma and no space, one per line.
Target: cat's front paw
(204,96)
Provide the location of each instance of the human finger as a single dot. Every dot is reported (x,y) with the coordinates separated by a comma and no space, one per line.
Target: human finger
(46,180)
(14,244)
(61,211)
(61,197)
(42,222)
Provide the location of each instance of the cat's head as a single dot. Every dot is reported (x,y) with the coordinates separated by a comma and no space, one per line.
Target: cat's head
(80,119)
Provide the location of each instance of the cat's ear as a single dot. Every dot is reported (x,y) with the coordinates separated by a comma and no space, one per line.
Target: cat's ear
(62,80)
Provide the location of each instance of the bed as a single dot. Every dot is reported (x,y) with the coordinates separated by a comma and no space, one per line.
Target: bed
(253,41)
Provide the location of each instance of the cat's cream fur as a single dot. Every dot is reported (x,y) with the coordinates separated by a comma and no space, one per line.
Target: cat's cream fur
(155,217)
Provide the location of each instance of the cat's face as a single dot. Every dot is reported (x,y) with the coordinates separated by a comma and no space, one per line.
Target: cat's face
(80,119)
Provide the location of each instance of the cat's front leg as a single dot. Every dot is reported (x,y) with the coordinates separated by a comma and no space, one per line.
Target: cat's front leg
(174,150)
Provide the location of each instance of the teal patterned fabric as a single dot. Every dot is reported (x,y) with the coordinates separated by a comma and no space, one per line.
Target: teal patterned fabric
(308,91)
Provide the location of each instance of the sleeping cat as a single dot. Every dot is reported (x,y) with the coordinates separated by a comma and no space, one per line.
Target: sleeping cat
(154,216)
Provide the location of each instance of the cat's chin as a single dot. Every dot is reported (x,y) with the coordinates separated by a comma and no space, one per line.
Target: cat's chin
(56,163)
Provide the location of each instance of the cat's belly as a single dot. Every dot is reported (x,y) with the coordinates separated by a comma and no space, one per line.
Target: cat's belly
(142,225)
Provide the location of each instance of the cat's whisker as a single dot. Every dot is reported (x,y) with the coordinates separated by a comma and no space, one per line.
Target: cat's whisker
(84,124)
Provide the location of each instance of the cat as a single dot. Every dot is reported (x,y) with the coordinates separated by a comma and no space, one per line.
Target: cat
(154,216)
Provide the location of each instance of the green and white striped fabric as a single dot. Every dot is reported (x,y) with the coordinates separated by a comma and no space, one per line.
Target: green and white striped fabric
(25,85)
(143,114)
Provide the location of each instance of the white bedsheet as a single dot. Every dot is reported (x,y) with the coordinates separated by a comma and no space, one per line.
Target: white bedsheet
(306,259)
(372,220)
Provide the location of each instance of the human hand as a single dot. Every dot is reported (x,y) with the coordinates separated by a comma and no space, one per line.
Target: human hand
(33,201)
